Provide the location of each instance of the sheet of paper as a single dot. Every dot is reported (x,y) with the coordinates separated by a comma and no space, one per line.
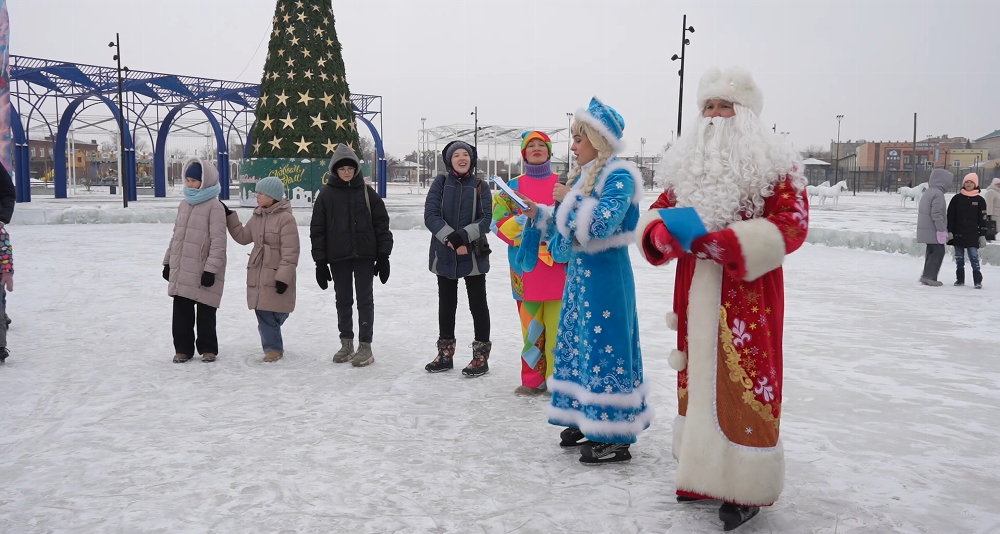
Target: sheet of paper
(684,224)
(509,192)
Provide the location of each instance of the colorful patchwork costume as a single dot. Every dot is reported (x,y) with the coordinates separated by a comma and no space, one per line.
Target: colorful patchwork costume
(537,280)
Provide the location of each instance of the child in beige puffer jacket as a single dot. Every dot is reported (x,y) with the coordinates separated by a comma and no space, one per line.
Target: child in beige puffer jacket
(271,269)
(195,263)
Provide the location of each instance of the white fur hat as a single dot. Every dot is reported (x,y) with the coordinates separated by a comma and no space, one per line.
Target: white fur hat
(735,85)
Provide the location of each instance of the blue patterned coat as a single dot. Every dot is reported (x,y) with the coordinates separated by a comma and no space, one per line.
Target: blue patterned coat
(598,385)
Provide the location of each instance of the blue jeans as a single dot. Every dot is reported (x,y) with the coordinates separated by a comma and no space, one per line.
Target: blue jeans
(269,326)
(973,257)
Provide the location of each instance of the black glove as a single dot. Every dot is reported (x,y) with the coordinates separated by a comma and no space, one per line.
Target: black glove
(166,273)
(281,287)
(323,275)
(225,207)
(207,279)
(382,269)
(458,238)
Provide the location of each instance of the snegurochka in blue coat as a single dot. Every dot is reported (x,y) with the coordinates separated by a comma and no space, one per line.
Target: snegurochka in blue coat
(597,386)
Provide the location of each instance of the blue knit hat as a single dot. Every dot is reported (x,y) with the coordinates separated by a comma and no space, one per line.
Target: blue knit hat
(272,187)
(193,171)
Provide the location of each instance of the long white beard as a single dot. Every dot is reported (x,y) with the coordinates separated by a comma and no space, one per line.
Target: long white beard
(728,169)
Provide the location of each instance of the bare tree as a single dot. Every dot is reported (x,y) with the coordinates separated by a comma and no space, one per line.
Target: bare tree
(816,151)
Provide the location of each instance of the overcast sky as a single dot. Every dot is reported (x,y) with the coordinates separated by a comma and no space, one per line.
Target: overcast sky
(530,62)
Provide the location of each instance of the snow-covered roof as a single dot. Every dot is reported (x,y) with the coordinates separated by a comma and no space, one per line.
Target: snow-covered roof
(814,161)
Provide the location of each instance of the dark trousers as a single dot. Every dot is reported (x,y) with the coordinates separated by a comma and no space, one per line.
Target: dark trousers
(475,286)
(184,322)
(360,274)
(932,261)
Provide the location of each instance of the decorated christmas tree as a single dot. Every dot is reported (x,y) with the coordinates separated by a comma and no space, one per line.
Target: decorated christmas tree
(305,104)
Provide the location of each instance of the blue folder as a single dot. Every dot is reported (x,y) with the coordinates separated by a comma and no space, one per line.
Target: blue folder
(684,224)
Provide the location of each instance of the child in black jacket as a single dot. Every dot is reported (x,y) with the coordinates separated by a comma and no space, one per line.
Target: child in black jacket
(967,226)
(351,243)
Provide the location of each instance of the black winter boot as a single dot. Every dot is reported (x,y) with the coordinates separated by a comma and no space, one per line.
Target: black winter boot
(977,277)
(479,365)
(444,359)
(960,277)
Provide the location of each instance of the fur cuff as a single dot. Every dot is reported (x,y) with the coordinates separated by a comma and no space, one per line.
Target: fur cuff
(542,220)
(646,219)
(762,246)
(585,218)
(566,207)
(678,360)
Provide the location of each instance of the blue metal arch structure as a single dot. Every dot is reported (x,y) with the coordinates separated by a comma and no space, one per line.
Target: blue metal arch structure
(36,82)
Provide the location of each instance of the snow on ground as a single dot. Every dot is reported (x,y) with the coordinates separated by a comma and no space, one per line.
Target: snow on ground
(890,418)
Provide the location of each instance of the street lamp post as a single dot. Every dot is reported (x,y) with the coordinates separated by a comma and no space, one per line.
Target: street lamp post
(680,93)
(421,146)
(642,157)
(836,169)
(121,121)
(569,138)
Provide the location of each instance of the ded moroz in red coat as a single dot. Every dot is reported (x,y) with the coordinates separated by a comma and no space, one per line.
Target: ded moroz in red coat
(728,311)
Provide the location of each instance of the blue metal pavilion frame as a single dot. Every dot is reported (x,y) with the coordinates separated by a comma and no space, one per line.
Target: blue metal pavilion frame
(35,81)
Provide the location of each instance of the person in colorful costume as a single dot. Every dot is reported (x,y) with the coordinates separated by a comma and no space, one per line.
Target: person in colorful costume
(597,386)
(728,308)
(536,279)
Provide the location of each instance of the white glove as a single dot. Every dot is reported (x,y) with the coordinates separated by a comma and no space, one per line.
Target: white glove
(982,241)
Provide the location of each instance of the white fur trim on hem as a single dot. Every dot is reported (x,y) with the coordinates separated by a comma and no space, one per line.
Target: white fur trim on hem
(672,321)
(632,400)
(678,360)
(677,434)
(708,463)
(597,429)
(762,245)
(585,218)
(646,219)
(582,115)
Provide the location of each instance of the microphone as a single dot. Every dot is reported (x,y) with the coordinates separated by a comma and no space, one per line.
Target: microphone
(563,179)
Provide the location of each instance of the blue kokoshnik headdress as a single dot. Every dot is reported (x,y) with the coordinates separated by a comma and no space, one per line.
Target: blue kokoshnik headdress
(606,121)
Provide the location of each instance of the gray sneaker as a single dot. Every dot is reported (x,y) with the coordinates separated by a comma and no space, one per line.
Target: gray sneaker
(364,355)
(929,282)
(346,351)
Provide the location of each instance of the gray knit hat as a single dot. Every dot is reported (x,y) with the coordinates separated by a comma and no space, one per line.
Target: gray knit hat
(272,187)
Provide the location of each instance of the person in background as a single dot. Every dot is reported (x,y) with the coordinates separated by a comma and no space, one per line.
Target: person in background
(536,279)
(967,228)
(6,282)
(932,224)
(351,243)
(271,268)
(457,212)
(992,197)
(195,263)
(8,199)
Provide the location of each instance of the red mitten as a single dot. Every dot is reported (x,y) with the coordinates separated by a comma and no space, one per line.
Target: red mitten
(722,248)
(658,245)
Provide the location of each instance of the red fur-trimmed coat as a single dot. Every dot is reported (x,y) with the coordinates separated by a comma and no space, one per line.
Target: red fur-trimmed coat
(728,311)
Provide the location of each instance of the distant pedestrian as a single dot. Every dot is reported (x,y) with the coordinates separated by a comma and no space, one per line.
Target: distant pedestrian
(967,228)
(932,224)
